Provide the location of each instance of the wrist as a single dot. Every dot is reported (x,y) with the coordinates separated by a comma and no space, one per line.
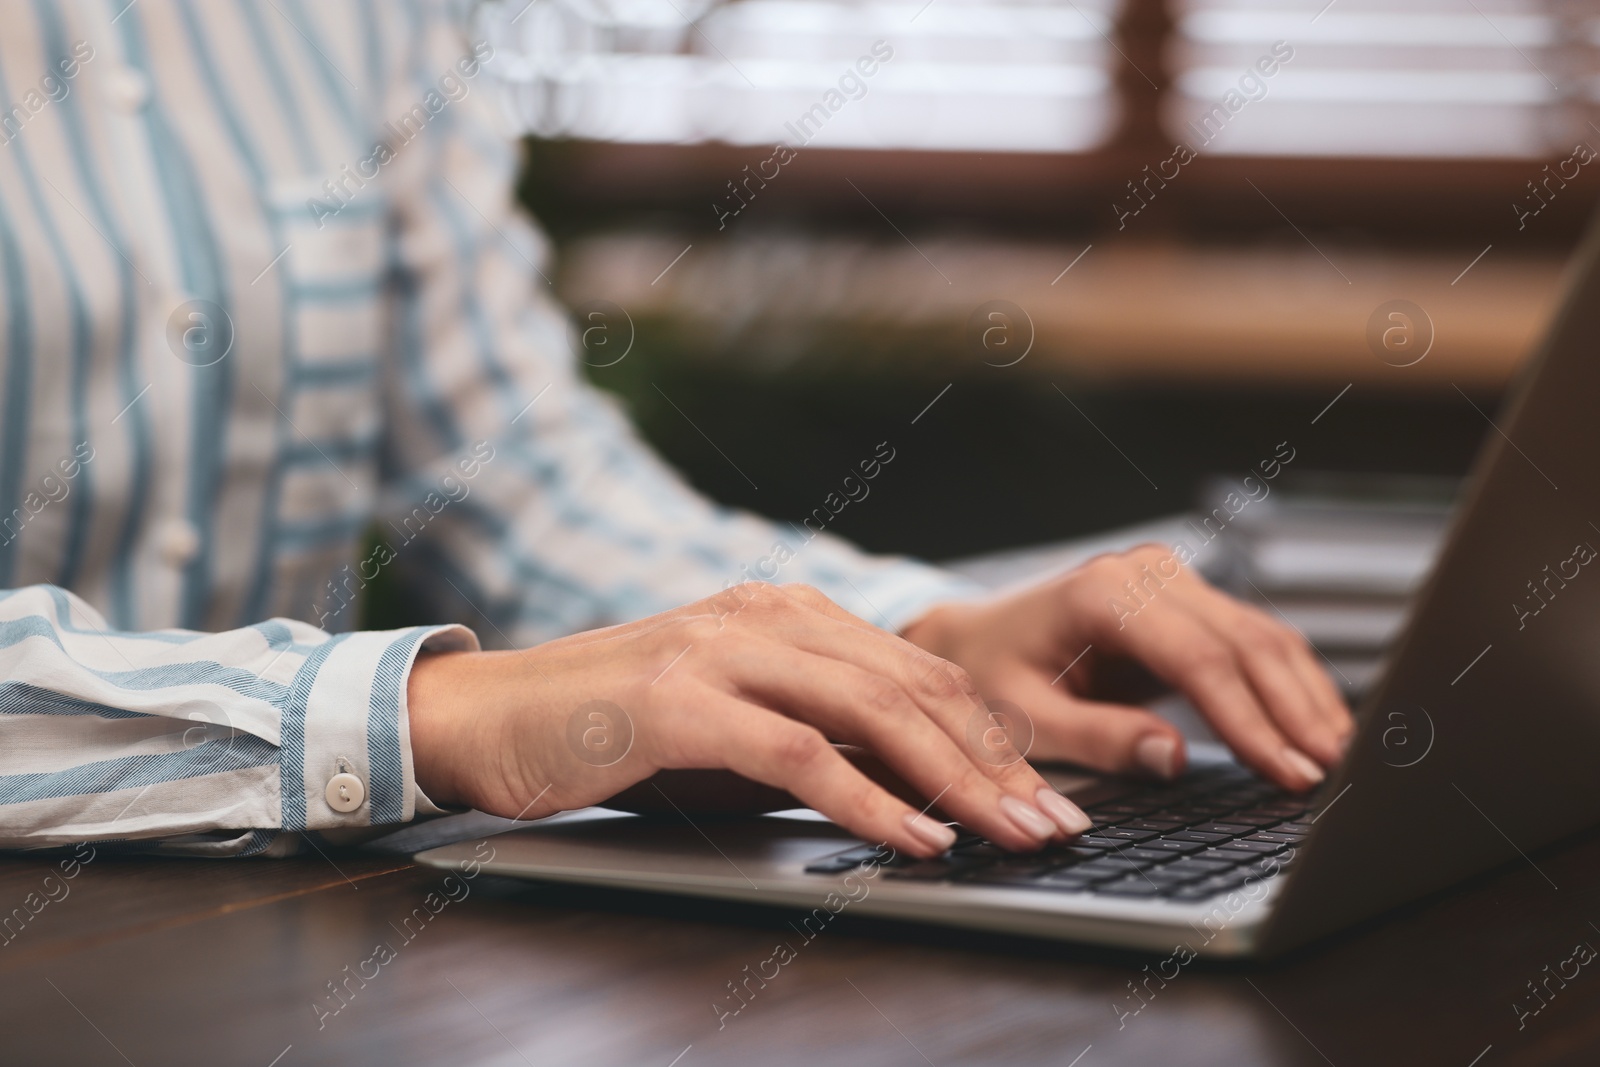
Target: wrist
(441,717)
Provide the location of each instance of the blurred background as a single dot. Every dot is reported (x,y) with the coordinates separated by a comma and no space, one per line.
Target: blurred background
(1073,260)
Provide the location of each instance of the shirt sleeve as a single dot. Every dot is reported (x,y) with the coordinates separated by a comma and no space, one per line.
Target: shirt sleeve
(220,744)
(520,496)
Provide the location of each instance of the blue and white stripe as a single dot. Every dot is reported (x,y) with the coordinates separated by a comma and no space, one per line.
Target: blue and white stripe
(171,670)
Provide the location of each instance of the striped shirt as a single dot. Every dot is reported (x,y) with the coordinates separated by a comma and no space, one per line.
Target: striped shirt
(263,291)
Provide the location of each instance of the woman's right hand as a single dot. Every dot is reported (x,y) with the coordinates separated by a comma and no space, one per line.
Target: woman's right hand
(759,680)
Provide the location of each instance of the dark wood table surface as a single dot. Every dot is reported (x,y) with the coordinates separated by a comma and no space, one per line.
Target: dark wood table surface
(163,961)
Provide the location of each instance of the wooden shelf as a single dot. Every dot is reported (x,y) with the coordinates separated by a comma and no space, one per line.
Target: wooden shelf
(1128,311)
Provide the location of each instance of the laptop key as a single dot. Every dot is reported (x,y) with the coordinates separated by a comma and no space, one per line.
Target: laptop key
(1231,856)
(1226,829)
(1101,869)
(1113,812)
(1004,875)
(1160,826)
(1112,866)
(1101,844)
(1250,846)
(1198,867)
(980,850)
(1024,867)
(935,870)
(1158,797)
(1167,844)
(1121,833)
(1244,818)
(1198,836)
(1293,828)
(1277,838)
(1059,859)
(1066,857)
(942,867)
(1252,804)
(1144,855)
(1188,815)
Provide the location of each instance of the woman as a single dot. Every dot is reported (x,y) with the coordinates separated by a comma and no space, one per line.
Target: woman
(263,288)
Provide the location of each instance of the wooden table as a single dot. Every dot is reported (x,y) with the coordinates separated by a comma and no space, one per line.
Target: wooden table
(149,962)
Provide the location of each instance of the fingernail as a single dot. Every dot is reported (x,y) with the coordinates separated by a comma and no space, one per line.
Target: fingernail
(1027,818)
(1067,815)
(1302,765)
(1158,754)
(930,831)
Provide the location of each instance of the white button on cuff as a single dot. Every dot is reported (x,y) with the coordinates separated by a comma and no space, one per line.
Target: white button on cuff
(179,543)
(345,792)
(127,89)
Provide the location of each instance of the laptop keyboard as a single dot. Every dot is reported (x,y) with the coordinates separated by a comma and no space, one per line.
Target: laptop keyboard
(1204,835)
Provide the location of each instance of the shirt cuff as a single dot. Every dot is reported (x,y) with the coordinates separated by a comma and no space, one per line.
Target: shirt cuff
(346,744)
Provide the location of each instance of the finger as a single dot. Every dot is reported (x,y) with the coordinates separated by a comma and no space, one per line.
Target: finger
(1189,657)
(1263,648)
(1276,659)
(1112,738)
(1299,655)
(1298,692)
(855,705)
(1330,701)
(940,688)
(723,731)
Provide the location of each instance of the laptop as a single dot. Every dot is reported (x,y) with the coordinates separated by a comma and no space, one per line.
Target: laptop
(1477,744)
